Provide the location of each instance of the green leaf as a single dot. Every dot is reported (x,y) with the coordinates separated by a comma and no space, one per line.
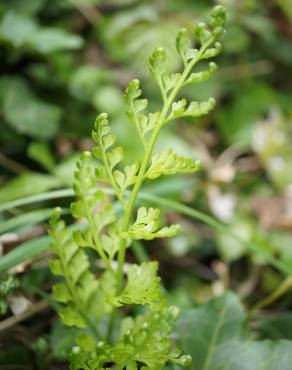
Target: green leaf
(78,209)
(144,123)
(212,52)
(170,81)
(26,220)
(22,31)
(207,34)
(80,287)
(60,291)
(183,42)
(205,331)
(41,153)
(115,156)
(194,109)
(198,77)
(128,177)
(26,113)
(17,29)
(158,65)
(21,185)
(110,244)
(86,342)
(104,139)
(49,40)
(215,335)
(167,162)
(248,355)
(56,266)
(71,317)
(146,226)
(143,286)
(24,252)
(105,216)
(146,340)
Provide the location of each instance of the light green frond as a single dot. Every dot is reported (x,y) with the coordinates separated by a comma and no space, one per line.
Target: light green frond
(147,224)
(167,162)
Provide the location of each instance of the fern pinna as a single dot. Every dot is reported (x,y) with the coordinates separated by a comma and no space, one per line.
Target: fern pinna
(109,338)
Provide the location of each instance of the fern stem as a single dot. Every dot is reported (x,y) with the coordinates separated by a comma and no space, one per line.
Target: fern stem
(96,240)
(148,153)
(76,299)
(112,179)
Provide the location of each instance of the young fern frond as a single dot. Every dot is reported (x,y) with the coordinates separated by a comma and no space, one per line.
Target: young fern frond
(81,291)
(91,302)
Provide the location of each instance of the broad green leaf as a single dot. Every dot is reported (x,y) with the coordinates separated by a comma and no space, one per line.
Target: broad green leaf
(215,335)
(204,331)
(17,29)
(249,355)
(49,40)
(276,327)
(22,31)
(25,112)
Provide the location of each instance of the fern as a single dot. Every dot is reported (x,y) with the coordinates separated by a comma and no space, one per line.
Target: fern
(91,302)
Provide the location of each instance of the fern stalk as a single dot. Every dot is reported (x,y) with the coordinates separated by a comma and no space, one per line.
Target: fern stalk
(89,301)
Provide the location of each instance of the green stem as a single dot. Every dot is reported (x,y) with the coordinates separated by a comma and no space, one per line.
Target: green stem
(31,248)
(148,153)
(139,251)
(96,240)
(281,290)
(111,178)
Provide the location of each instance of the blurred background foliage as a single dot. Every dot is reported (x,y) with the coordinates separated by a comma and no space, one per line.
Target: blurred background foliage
(65,61)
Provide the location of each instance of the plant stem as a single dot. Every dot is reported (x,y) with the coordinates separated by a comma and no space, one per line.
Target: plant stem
(148,153)
(111,178)
(281,290)
(96,240)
